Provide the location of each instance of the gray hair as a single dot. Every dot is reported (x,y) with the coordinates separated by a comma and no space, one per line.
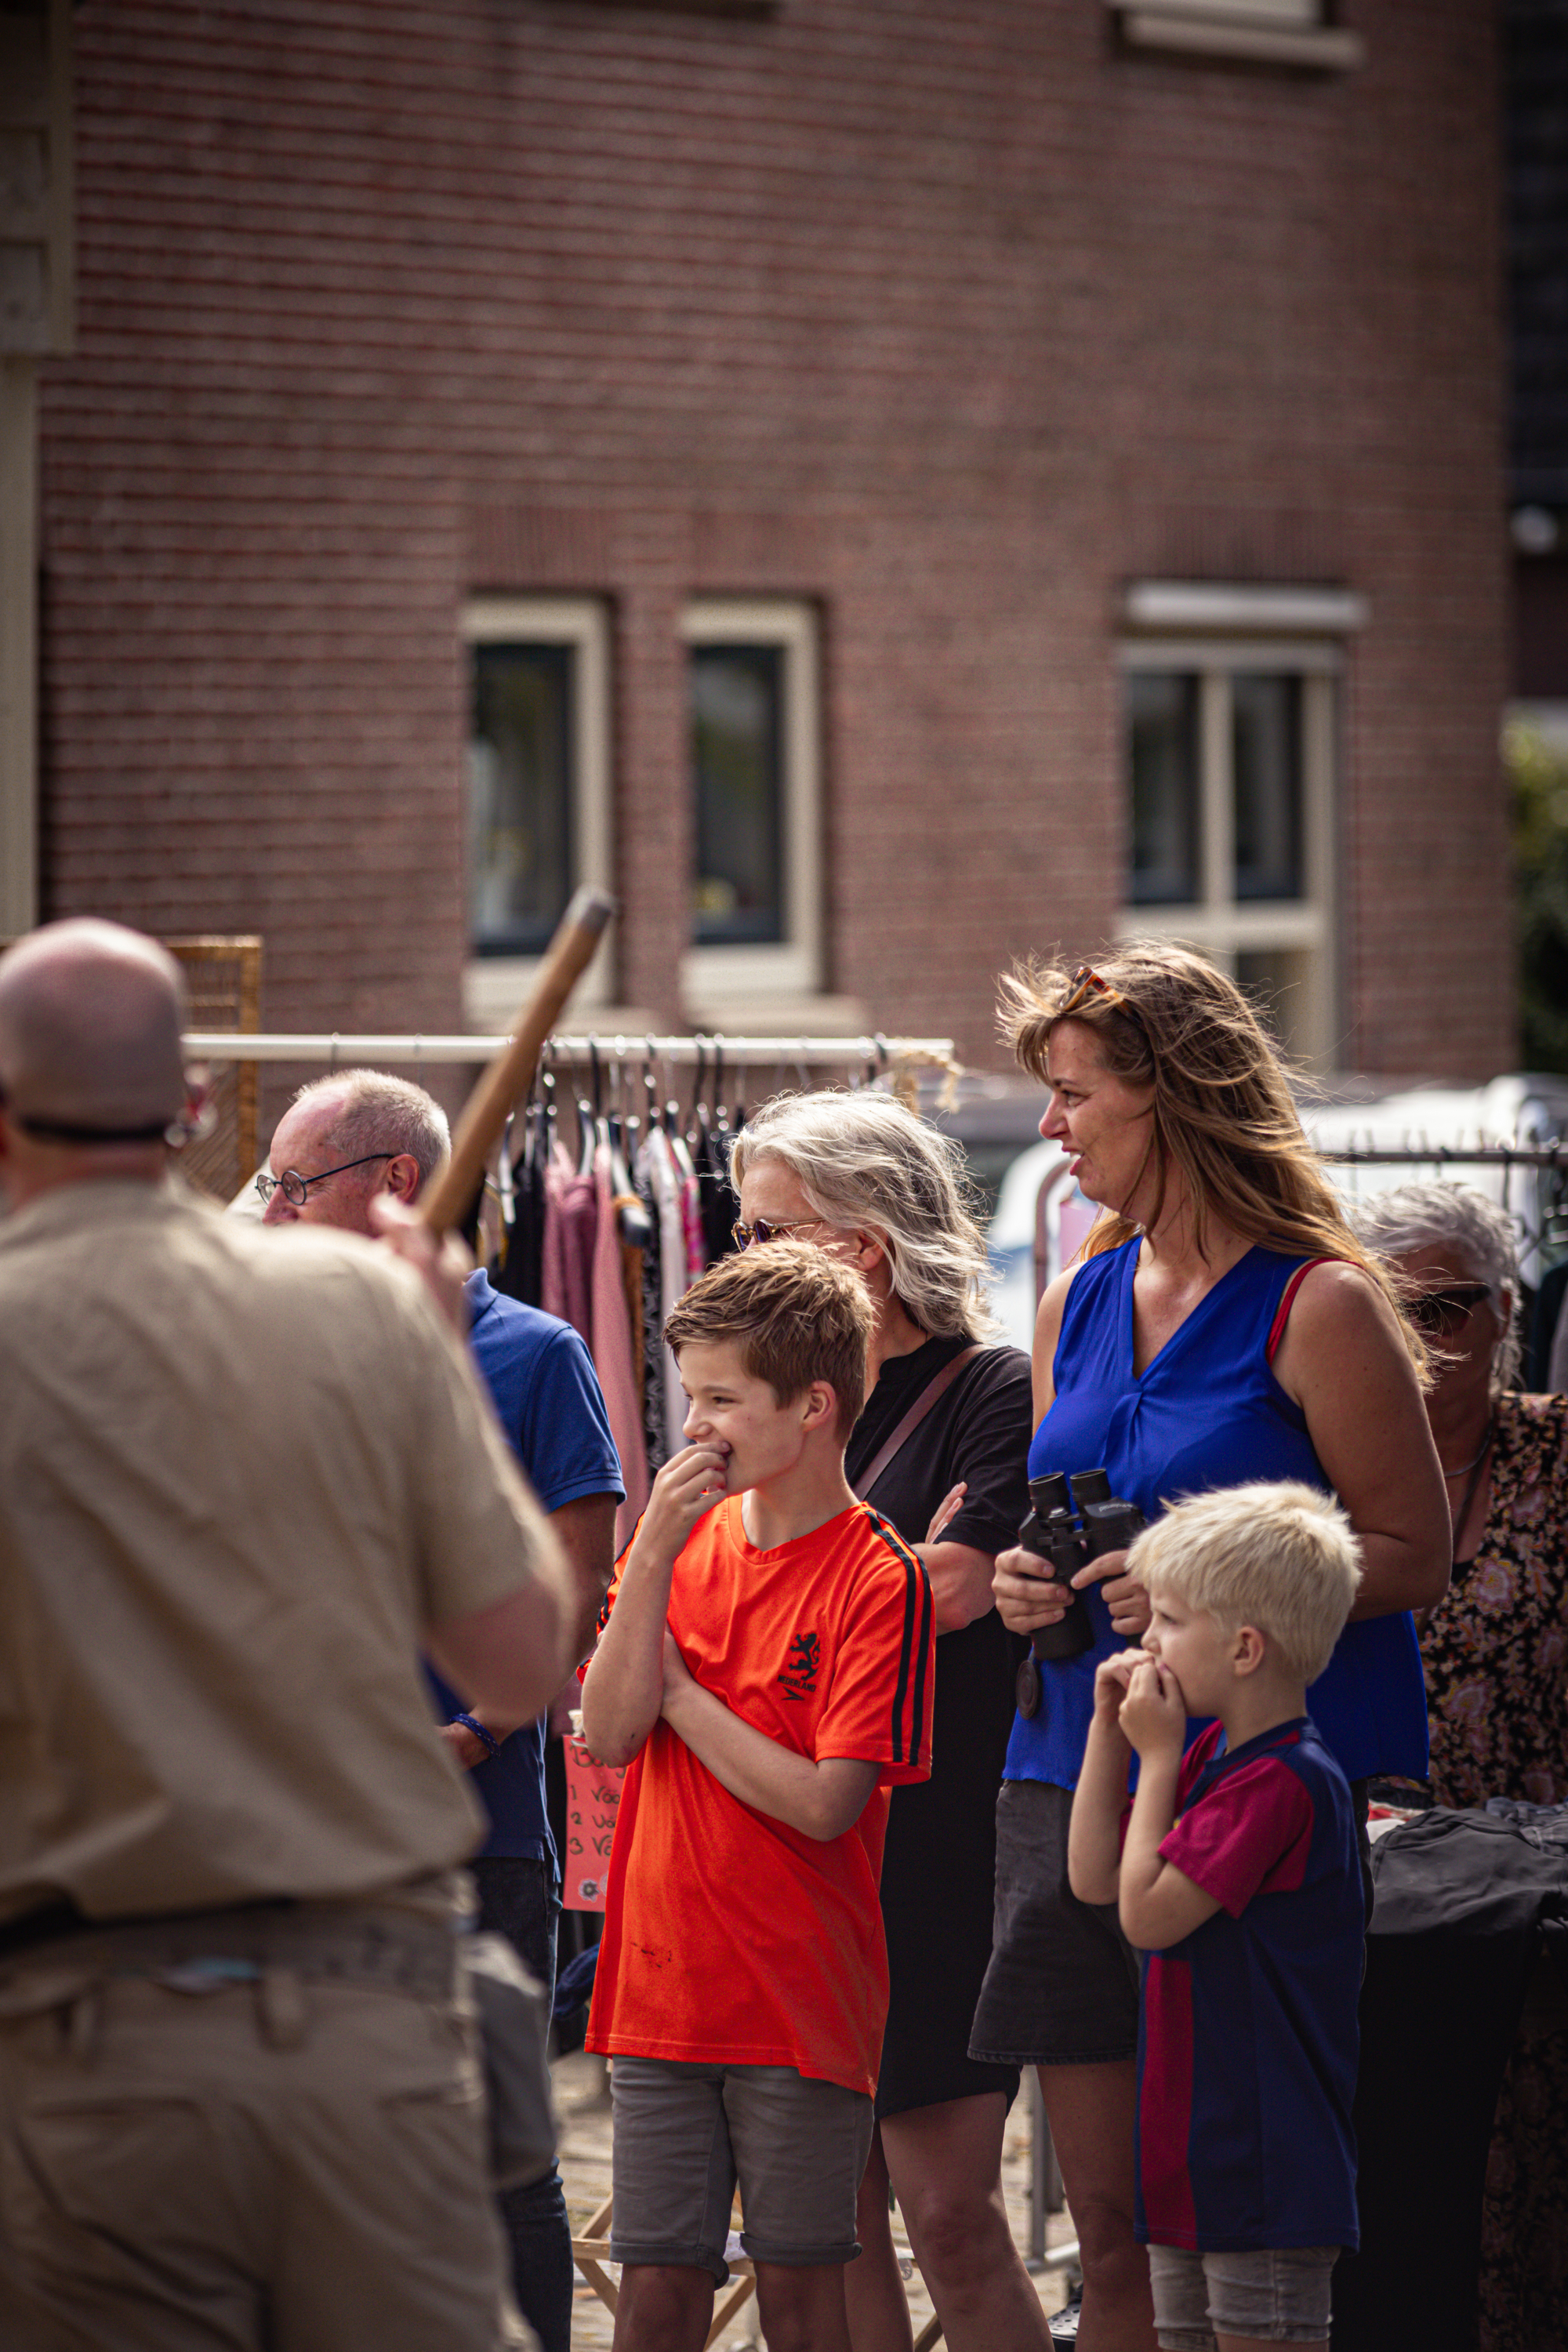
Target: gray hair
(382,1113)
(862,1160)
(1459,1219)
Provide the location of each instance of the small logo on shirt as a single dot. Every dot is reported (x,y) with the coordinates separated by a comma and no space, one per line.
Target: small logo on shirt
(799,1676)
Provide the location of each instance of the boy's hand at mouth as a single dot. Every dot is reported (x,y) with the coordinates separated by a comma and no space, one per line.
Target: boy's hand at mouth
(1154,1715)
(688,1486)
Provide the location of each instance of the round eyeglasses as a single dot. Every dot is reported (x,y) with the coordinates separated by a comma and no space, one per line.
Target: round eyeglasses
(296,1188)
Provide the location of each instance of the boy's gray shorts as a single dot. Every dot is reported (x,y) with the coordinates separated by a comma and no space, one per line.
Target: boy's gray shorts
(1275,2298)
(685,2134)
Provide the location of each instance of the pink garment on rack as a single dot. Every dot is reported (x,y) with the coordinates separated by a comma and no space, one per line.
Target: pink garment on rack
(691,1210)
(612,1349)
(664,1182)
(571,1217)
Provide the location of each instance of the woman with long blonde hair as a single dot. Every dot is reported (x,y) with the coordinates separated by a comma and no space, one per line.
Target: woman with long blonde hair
(1223,1323)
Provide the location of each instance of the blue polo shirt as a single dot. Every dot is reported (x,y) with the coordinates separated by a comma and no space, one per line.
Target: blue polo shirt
(546,1392)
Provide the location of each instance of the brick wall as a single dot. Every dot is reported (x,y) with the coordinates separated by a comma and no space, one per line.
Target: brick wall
(952,320)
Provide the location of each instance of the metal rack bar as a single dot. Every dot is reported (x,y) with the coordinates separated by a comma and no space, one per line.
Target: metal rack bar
(229,1045)
(1486,1155)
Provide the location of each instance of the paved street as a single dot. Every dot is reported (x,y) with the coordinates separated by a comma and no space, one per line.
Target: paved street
(584,2106)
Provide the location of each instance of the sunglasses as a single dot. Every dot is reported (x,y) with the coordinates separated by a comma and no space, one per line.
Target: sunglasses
(761,1232)
(1438,1314)
(1086,987)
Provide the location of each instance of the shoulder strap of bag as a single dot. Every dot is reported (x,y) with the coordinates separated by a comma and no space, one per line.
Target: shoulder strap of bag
(1277,1329)
(934,1389)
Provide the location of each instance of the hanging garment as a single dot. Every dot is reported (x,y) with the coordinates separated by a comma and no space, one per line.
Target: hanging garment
(571,1217)
(720,1206)
(668,1185)
(613,1349)
(653,1420)
(520,1273)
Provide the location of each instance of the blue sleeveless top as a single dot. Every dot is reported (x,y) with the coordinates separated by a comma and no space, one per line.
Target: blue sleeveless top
(1207,1412)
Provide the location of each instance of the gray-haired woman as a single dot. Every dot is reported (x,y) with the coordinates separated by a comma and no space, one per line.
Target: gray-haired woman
(940,1451)
(1495,1648)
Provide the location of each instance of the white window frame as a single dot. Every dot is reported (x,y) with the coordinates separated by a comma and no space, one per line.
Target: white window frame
(1260,32)
(494,986)
(718,982)
(1169,617)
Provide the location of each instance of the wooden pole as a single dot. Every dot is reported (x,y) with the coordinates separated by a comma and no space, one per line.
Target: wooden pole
(509,1076)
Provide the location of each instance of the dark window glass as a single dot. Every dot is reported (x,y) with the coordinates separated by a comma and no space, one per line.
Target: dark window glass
(1266,752)
(1162,735)
(1274,979)
(737,751)
(519,795)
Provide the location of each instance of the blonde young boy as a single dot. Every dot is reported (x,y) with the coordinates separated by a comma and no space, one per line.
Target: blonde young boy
(766,1667)
(1238,1876)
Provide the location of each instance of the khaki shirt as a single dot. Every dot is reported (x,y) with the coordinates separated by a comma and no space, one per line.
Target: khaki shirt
(240,1471)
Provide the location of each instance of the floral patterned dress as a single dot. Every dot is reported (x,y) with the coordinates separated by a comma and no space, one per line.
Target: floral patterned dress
(1496,1656)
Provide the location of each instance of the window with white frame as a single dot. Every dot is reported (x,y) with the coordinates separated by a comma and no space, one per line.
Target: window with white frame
(537,787)
(1229,739)
(753,723)
(1280,32)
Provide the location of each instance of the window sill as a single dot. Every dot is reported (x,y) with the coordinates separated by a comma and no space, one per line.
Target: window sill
(725,1012)
(1176,30)
(495,986)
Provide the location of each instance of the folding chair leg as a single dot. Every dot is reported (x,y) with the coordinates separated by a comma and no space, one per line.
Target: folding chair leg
(724,2310)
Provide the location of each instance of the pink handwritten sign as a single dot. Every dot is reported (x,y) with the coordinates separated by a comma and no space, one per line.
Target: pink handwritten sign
(592,1803)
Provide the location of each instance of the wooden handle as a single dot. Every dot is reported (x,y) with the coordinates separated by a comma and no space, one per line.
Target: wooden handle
(509,1076)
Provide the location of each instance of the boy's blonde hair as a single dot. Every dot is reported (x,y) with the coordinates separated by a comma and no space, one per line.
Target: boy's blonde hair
(1279,1557)
(795,1314)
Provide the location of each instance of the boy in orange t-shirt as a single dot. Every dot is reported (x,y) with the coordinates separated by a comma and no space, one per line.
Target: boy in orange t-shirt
(765,1665)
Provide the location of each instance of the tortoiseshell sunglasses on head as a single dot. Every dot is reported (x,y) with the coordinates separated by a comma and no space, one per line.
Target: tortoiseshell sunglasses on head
(1085,984)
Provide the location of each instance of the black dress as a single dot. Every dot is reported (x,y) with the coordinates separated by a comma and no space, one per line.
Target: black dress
(939,1869)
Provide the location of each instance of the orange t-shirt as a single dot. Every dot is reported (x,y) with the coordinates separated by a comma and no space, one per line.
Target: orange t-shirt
(729,1936)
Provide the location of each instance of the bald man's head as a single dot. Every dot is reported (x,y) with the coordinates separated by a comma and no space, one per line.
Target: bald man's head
(90,1015)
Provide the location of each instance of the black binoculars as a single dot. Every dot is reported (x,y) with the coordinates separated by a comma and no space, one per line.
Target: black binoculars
(1068,1526)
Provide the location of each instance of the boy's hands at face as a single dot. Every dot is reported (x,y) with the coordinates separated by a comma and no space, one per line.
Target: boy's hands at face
(1153,1714)
(688,1485)
(1111,1678)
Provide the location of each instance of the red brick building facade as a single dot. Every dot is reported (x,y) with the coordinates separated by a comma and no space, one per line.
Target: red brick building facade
(1004,351)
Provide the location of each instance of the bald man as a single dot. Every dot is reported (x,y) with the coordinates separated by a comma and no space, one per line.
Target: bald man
(244,1478)
(345,1144)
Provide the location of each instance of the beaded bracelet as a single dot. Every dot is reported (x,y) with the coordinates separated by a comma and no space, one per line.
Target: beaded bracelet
(471,1723)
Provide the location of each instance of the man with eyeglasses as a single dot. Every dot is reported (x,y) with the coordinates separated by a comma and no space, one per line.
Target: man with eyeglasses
(243,1481)
(344,1143)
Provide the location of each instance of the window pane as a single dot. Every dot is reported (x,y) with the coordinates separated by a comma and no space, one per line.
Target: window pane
(1162,733)
(1266,749)
(519,797)
(1276,979)
(737,728)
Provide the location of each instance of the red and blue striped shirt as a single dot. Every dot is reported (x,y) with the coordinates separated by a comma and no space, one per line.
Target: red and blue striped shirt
(1248,2034)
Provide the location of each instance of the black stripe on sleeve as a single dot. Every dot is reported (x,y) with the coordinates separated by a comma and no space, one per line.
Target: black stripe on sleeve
(915,1579)
(918,1716)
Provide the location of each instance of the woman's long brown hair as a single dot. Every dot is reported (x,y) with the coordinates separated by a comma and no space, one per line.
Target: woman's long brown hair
(1223,1109)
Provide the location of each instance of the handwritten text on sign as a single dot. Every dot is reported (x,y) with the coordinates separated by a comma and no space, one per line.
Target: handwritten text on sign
(593,1802)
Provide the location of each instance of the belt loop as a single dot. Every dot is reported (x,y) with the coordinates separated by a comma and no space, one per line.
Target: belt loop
(281,2008)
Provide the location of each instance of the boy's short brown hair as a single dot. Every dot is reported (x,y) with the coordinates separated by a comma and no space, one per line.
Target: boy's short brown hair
(795,1314)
